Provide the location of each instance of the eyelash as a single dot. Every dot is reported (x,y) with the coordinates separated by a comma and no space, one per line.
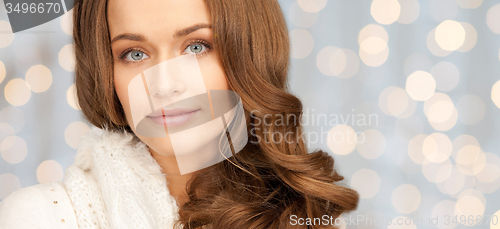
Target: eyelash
(127,51)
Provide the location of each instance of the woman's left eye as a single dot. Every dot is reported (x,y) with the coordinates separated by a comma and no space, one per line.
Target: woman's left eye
(196,48)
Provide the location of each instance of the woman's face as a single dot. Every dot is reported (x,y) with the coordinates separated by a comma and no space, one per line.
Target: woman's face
(146,33)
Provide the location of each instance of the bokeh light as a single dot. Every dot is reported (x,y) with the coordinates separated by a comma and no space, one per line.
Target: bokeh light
(374,60)
(441,209)
(67,22)
(301,43)
(491,169)
(493,18)
(495,93)
(487,187)
(475,166)
(406,198)
(373,45)
(373,49)
(385,11)
(410,10)
(74,133)
(469,206)
(462,141)
(473,192)
(420,85)
(10,183)
(433,46)
(469,4)
(300,18)
(440,111)
(437,147)
(5,38)
(71,97)
(39,78)
(67,58)
(323,60)
(494,224)
(13,149)
(448,124)
(467,154)
(438,96)
(371,144)
(366,182)
(434,102)
(437,172)
(333,61)
(450,35)
(17,92)
(3,71)
(394,101)
(6,130)
(49,171)
(372,30)
(410,109)
(454,184)
(338,62)
(415,149)
(470,37)
(351,67)
(14,117)
(312,5)
(342,139)
(397,102)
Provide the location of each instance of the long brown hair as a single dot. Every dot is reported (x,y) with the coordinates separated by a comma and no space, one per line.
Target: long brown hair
(268,181)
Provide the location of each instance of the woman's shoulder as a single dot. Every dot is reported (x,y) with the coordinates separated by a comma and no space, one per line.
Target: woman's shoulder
(38,206)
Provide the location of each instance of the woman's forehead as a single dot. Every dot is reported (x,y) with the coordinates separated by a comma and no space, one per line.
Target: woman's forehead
(155,17)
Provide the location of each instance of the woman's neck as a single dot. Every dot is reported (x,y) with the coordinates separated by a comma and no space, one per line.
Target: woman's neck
(175,181)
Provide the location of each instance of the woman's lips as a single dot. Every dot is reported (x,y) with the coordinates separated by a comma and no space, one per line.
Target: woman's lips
(174,117)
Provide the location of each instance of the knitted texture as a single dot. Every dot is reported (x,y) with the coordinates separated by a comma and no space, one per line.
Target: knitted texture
(114,182)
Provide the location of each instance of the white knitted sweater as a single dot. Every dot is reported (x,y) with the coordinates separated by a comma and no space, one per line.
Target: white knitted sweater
(114,182)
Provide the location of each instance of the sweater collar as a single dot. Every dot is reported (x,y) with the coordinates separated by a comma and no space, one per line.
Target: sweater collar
(131,189)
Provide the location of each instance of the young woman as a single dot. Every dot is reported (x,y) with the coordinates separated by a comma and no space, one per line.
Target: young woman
(122,179)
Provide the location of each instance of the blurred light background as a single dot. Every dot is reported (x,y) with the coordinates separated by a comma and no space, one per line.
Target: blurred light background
(404,94)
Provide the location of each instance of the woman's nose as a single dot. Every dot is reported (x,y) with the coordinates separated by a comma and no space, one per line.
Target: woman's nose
(174,80)
(166,80)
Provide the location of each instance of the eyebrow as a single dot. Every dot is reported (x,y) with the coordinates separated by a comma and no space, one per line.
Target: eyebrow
(179,33)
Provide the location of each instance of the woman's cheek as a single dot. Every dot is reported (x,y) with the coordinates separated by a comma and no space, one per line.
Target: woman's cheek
(121,89)
(213,75)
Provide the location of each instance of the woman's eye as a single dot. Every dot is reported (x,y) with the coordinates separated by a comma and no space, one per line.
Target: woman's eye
(195,48)
(136,55)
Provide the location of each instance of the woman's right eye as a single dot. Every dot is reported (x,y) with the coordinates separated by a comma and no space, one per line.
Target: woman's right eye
(134,55)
